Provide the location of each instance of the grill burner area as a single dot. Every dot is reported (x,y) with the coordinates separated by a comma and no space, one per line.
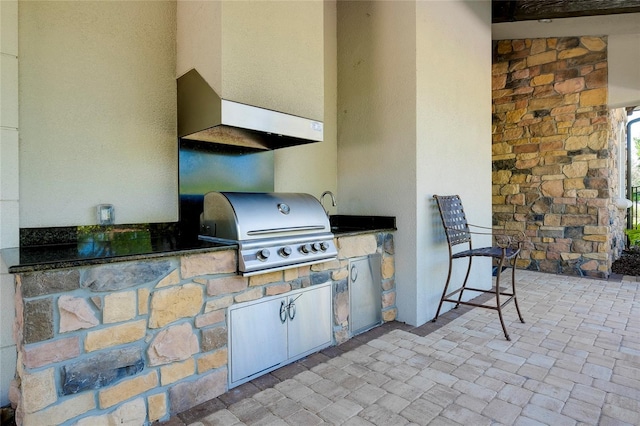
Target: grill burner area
(274,231)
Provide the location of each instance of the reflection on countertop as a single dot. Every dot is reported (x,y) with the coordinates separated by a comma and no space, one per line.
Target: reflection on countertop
(63,247)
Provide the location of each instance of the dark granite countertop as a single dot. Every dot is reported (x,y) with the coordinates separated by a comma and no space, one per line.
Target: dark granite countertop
(67,247)
(342,224)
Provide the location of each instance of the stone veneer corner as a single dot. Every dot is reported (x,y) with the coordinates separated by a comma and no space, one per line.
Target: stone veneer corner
(555,150)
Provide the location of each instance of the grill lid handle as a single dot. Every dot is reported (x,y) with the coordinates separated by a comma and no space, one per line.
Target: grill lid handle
(290,229)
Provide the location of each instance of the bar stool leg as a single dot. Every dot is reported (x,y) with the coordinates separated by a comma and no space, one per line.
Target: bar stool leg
(498,307)
(513,287)
(464,283)
(444,292)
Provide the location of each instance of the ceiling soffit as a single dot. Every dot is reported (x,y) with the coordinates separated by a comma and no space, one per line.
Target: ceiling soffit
(528,10)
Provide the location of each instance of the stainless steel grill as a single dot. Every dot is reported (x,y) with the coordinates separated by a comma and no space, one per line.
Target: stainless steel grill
(274,231)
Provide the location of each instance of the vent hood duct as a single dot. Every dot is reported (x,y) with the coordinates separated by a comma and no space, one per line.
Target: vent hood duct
(204,116)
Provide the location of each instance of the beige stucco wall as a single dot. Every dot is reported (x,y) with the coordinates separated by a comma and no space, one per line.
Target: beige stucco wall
(624,70)
(199,40)
(313,168)
(407,129)
(9,124)
(377,124)
(454,137)
(97,111)
(8,184)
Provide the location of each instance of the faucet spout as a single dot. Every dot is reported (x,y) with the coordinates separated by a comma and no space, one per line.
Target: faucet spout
(333,200)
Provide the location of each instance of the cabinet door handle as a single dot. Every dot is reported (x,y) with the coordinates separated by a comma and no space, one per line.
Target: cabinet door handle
(292,310)
(283,312)
(354,273)
(291,307)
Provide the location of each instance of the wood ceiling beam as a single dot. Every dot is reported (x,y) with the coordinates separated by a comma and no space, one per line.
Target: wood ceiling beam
(527,10)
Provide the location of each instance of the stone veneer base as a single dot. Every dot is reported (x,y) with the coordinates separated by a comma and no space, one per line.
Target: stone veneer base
(137,341)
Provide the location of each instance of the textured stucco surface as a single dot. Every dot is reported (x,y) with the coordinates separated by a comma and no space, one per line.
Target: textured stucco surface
(9,138)
(408,129)
(97,111)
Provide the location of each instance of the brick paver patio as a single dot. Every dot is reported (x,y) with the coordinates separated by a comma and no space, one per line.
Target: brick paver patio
(576,361)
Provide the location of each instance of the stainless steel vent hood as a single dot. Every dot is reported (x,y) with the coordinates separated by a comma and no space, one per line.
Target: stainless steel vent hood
(204,116)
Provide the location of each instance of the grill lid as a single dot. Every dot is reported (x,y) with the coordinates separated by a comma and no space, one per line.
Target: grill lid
(274,231)
(243,216)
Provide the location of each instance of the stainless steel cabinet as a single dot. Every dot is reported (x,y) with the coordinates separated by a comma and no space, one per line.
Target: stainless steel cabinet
(255,337)
(271,332)
(365,293)
(310,328)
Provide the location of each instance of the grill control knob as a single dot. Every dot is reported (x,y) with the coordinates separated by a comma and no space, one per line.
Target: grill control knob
(324,246)
(285,251)
(316,247)
(305,248)
(263,254)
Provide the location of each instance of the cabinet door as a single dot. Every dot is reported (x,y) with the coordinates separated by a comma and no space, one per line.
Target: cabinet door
(365,293)
(310,323)
(258,338)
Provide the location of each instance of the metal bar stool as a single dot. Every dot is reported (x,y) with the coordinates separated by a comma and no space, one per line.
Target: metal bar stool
(457,230)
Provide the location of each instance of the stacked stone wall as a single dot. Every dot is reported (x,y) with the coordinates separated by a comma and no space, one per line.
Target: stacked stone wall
(554,157)
(617,207)
(134,342)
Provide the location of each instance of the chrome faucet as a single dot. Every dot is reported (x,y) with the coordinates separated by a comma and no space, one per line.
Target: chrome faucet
(333,200)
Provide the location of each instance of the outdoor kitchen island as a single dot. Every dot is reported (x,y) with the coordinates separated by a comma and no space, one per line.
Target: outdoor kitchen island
(140,330)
